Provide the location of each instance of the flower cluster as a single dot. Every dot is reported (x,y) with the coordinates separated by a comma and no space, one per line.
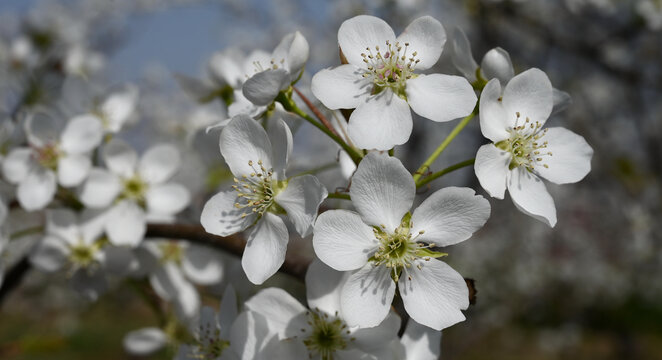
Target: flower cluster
(384,236)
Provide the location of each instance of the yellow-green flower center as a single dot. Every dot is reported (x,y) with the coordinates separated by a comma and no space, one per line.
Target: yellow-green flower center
(257,190)
(171,251)
(390,68)
(526,144)
(328,335)
(134,188)
(48,156)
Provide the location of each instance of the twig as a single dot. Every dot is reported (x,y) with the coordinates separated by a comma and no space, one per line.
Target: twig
(316,111)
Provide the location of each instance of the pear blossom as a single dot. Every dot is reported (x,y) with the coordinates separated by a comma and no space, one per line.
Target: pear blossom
(496,64)
(136,190)
(115,109)
(384,245)
(522,151)
(282,69)
(381,81)
(51,159)
(420,342)
(319,331)
(75,242)
(261,192)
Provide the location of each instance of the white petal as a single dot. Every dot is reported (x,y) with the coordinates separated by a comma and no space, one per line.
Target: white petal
(100,188)
(301,199)
(249,334)
(372,340)
(462,57)
(366,297)
(221,217)
(570,160)
(120,158)
(435,294)
(63,223)
(145,341)
(561,101)
(421,342)
(494,124)
(265,248)
(228,311)
(36,190)
(425,36)
(202,265)
(167,199)
(263,87)
(361,32)
(492,169)
(17,164)
(496,64)
(530,94)
(342,241)
(441,97)
(280,137)
(278,307)
(118,107)
(382,190)
(244,140)
(323,287)
(169,282)
(294,50)
(73,169)
(159,163)
(126,224)
(225,66)
(50,255)
(530,195)
(380,122)
(82,134)
(342,87)
(450,215)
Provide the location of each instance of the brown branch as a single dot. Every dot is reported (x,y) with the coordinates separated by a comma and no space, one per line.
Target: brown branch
(317,112)
(13,278)
(295,266)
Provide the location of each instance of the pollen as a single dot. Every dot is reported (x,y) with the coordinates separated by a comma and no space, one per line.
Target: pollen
(390,67)
(526,144)
(255,191)
(328,334)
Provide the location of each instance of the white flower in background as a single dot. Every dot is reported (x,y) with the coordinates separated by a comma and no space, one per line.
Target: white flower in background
(116,108)
(174,266)
(651,11)
(23,53)
(138,190)
(261,192)
(76,243)
(51,159)
(381,81)
(496,64)
(384,244)
(522,151)
(81,61)
(282,69)
(320,331)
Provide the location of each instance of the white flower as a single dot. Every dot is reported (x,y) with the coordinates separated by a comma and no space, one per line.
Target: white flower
(522,151)
(75,242)
(381,82)
(261,191)
(137,190)
(35,169)
(278,72)
(384,244)
(421,342)
(117,108)
(319,331)
(496,64)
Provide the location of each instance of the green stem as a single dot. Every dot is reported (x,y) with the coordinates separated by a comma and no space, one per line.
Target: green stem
(338,196)
(438,174)
(458,128)
(291,106)
(26,232)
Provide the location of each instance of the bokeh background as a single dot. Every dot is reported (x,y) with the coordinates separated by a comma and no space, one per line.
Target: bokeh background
(588,289)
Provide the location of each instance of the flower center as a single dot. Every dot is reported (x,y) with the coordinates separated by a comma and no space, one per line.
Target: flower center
(525,144)
(171,252)
(257,190)
(328,334)
(134,188)
(210,346)
(48,156)
(392,68)
(84,255)
(398,249)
